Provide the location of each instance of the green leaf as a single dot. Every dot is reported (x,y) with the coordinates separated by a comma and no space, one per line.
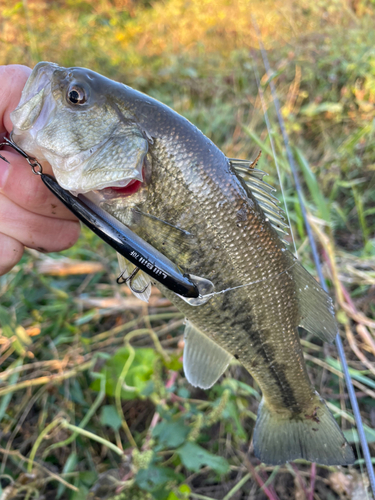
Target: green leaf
(353,373)
(76,394)
(138,376)
(110,417)
(172,496)
(194,457)
(7,323)
(313,185)
(262,144)
(148,389)
(349,144)
(183,392)
(88,477)
(70,466)
(231,410)
(171,434)
(184,490)
(79,495)
(235,385)
(154,478)
(5,400)
(9,328)
(351,435)
(174,363)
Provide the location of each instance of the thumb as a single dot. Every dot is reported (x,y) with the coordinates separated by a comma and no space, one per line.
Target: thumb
(12,82)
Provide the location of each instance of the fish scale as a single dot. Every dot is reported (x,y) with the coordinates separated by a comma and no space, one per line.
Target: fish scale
(195,208)
(236,266)
(212,316)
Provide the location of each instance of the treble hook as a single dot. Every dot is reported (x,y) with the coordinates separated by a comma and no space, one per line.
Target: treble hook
(121,280)
(36,167)
(129,280)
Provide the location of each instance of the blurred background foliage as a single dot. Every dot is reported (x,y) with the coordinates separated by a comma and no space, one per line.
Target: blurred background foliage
(93,401)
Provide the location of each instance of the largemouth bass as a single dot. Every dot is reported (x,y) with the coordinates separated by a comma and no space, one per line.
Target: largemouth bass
(158,174)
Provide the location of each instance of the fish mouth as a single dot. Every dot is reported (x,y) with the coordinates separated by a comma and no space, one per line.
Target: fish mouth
(77,180)
(123,189)
(111,192)
(112,195)
(131,187)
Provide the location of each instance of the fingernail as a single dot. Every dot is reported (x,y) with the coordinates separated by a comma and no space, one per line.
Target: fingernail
(4,171)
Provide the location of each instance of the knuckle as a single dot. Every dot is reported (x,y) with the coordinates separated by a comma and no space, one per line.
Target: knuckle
(36,199)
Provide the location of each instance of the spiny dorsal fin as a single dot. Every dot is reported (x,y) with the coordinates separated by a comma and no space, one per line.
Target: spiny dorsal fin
(263,193)
(204,360)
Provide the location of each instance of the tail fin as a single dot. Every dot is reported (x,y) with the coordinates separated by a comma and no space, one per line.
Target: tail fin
(280,438)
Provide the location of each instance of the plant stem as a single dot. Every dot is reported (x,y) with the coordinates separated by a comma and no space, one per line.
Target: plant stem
(45,380)
(237,487)
(40,438)
(92,436)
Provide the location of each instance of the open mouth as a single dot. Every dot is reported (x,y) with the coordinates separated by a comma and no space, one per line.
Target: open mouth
(129,189)
(111,192)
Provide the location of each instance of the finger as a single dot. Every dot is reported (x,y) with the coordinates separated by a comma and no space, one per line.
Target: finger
(11,252)
(12,81)
(36,231)
(19,184)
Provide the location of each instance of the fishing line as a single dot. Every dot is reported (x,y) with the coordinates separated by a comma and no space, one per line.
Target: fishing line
(339,345)
(249,284)
(270,132)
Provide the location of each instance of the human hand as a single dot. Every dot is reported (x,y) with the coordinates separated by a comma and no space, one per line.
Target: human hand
(30,215)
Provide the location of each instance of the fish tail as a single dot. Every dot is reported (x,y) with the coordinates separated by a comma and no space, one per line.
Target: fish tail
(313,435)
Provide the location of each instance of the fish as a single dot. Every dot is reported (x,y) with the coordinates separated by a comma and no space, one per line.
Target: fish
(216,219)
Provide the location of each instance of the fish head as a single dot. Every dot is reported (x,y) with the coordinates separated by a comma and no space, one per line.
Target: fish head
(70,118)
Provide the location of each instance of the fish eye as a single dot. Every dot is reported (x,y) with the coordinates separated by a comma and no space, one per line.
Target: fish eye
(77,95)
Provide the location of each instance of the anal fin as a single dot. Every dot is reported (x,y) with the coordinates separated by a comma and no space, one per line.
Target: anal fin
(204,360)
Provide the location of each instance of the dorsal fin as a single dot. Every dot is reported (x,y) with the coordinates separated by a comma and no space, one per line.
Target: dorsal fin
(262,192)
(316,309)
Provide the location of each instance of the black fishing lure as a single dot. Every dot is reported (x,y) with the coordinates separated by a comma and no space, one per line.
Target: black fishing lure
(140,253)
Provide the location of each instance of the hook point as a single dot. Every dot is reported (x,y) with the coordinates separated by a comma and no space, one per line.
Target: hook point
(2,158)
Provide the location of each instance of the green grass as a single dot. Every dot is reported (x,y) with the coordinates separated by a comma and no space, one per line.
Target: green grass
(93,400)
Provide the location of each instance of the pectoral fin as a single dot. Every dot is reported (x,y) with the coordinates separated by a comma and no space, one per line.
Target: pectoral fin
(140,281)
(204,360)
(175,243)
